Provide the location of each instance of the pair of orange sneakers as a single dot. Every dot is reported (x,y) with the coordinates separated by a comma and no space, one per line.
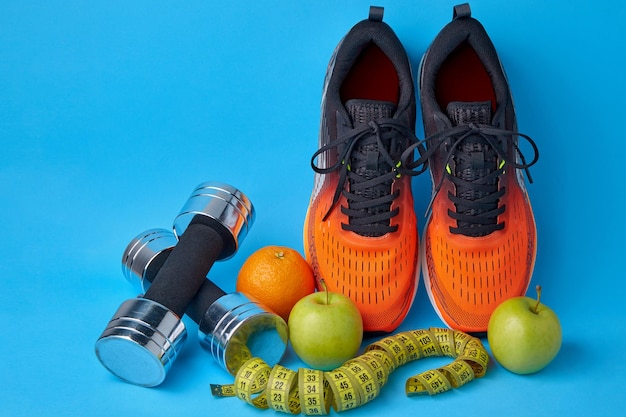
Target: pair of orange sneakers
(361,234)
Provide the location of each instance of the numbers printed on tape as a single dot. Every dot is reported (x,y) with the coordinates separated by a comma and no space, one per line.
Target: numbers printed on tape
(428,383)
(458,373)
(445,338)
(282,393)
(359,380)
(360,372)
(377,366)
(428,342)
(344,390)
(313,388)
(251,379)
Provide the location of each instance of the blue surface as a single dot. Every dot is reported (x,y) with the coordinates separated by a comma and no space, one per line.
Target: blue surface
(112,112)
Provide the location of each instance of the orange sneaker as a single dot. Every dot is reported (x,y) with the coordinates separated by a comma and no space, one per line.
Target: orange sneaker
(360,232)
(479,243)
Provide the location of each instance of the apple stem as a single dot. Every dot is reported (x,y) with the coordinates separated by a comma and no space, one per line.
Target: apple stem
(323,285)
(538,289)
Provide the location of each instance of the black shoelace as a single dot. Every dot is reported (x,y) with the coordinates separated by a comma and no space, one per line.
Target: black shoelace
(369,161)
(476,157)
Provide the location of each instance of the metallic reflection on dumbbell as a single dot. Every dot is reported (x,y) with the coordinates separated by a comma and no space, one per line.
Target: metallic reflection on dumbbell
(146,334)
(232,327)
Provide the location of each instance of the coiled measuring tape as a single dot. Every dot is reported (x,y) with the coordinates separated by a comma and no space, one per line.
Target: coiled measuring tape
(359,380)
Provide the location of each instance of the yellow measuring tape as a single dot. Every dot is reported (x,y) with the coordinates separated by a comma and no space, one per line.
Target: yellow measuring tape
(359,380)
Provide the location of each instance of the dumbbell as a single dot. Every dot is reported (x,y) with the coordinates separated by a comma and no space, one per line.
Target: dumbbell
(232,327)
(146,333)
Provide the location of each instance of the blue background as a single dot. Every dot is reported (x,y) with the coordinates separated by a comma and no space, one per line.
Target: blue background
(112,112)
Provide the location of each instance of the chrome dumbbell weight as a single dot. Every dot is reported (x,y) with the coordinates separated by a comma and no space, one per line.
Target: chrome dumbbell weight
(145,335)
(232,327)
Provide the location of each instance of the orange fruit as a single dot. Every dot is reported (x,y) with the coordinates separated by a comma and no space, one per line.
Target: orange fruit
(278,277)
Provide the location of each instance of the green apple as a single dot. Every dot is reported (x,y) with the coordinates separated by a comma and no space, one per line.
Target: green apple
(524,335)
(325,329)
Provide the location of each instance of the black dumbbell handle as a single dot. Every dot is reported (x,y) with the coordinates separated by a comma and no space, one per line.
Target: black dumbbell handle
(184,271)
(208,293)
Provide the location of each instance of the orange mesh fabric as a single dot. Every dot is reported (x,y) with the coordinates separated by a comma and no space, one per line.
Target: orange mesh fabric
(377,273)
(468,277)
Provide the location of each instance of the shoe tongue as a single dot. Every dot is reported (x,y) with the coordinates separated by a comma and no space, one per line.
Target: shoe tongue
(481,155)
(464,113)
(476,158)
(367,162)
(364,111)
